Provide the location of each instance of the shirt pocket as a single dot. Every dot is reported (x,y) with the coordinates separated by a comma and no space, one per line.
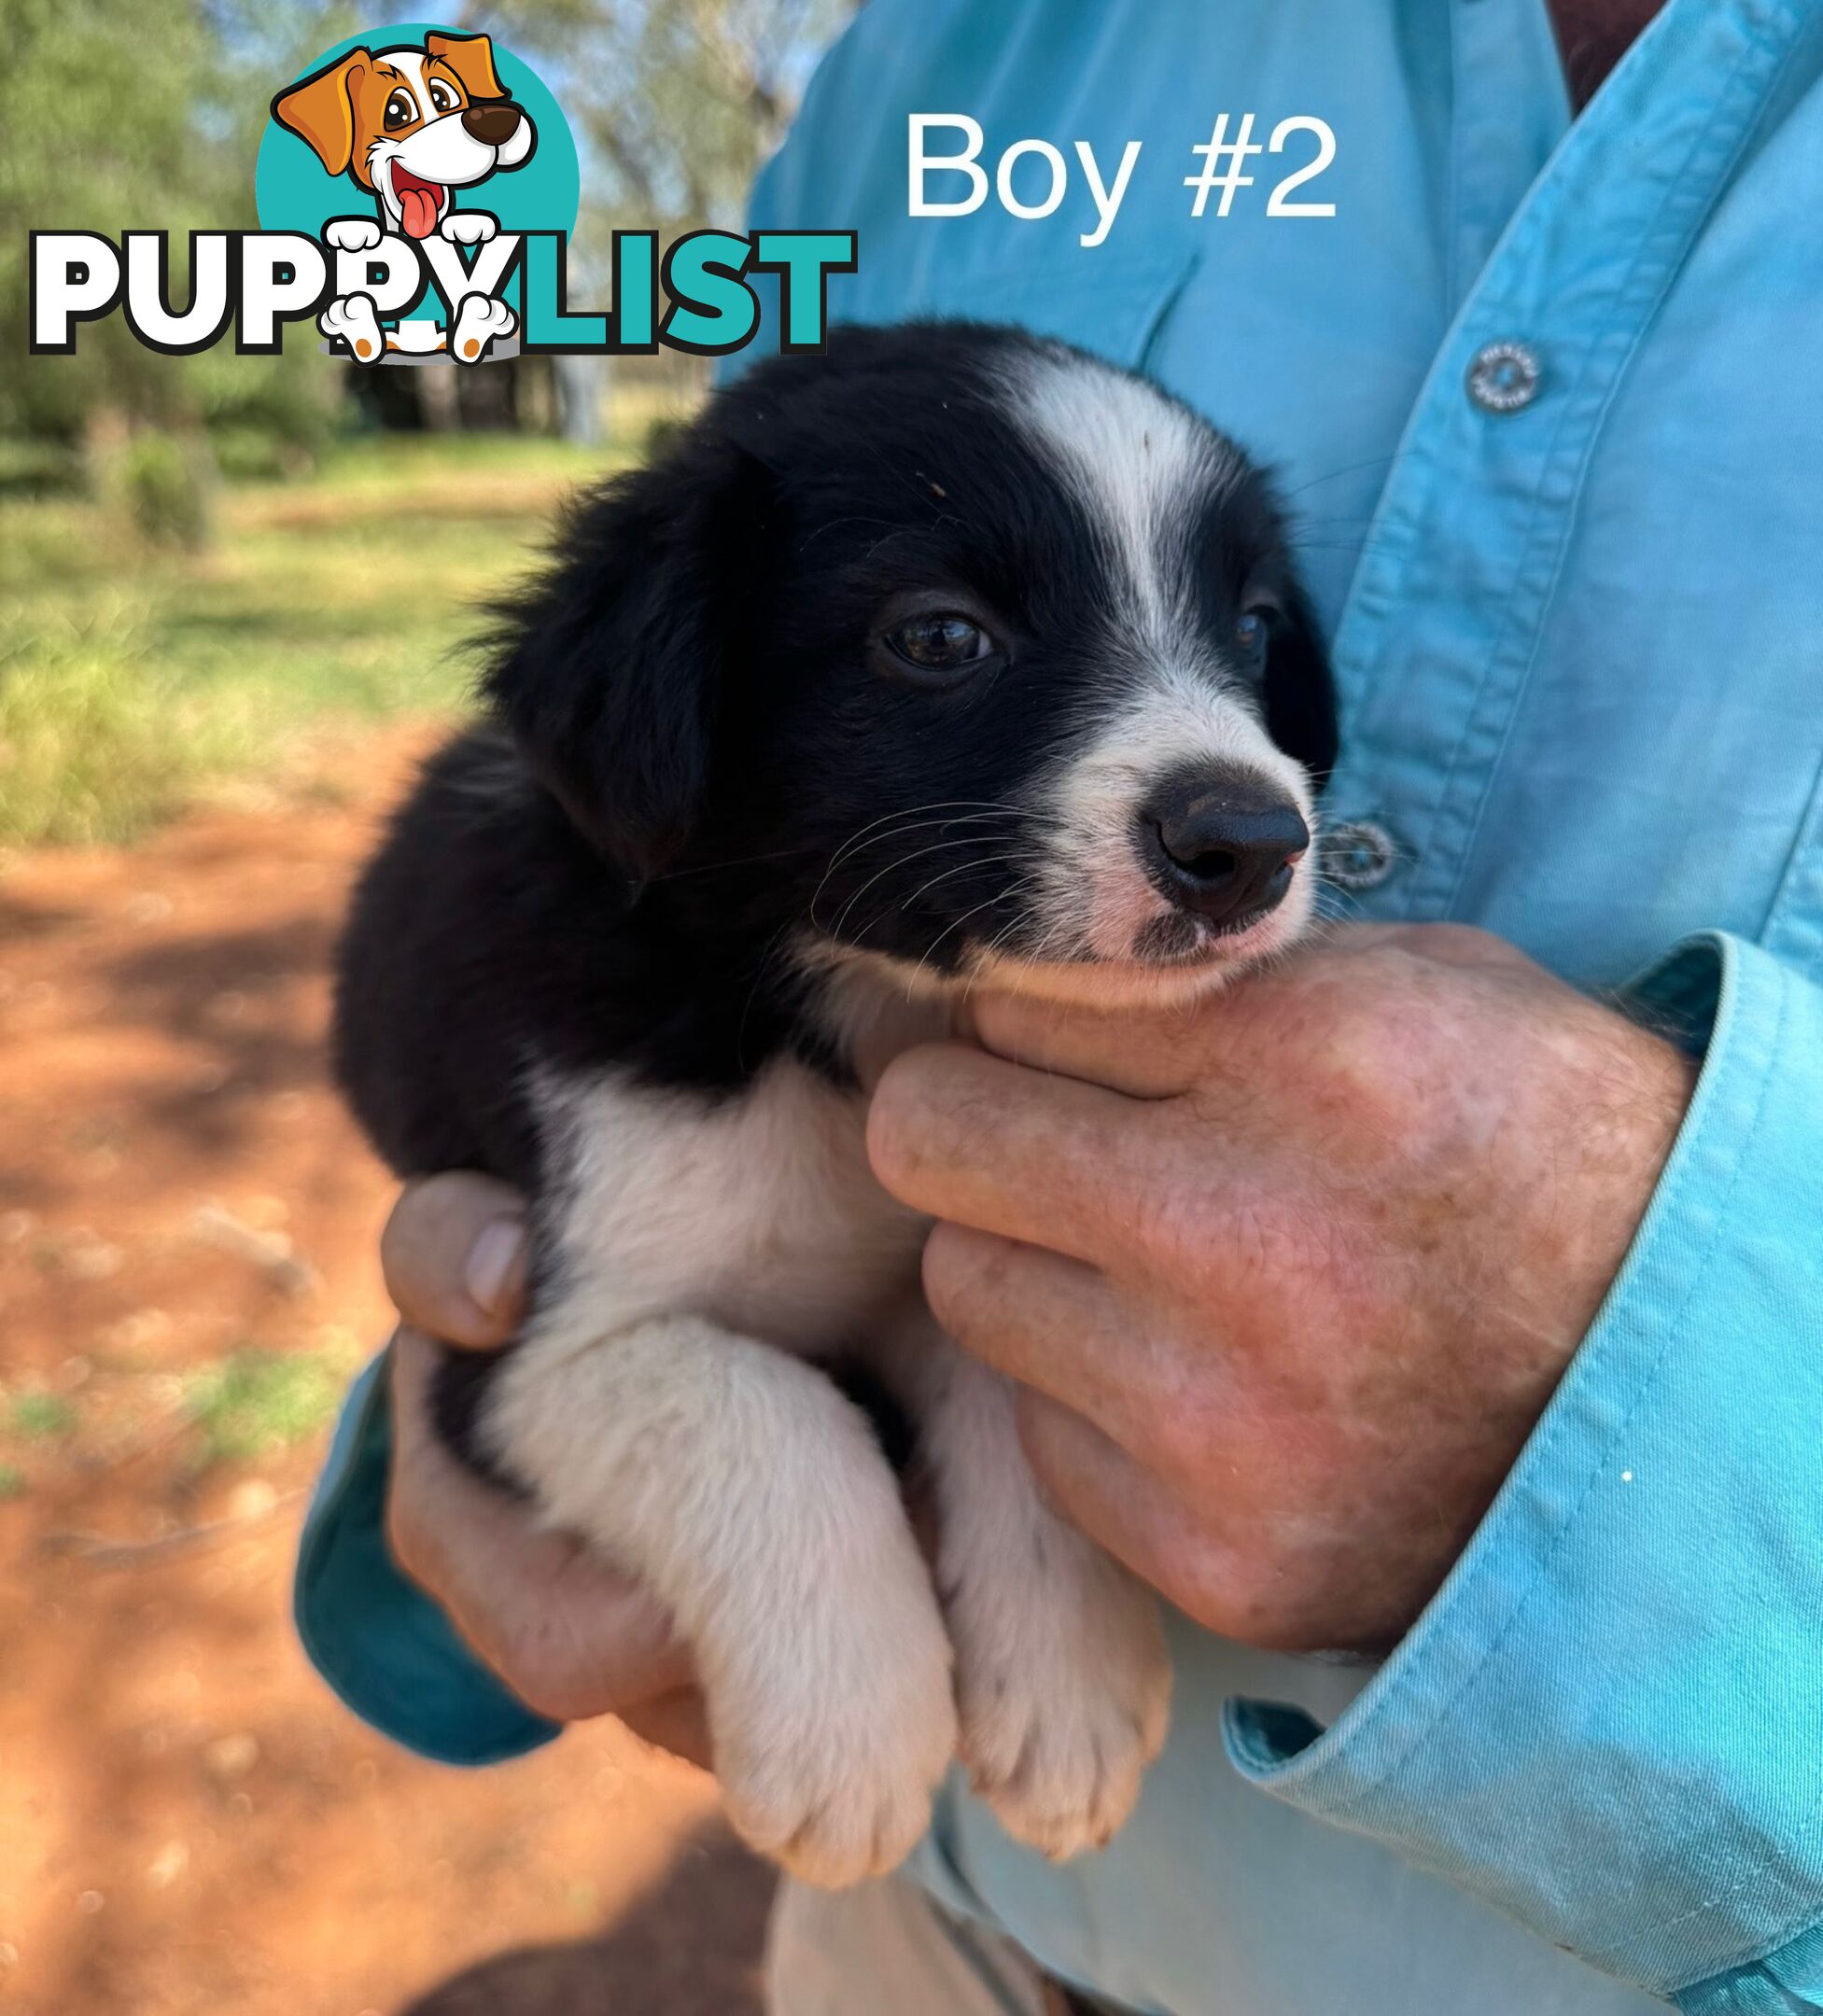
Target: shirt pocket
(1114,307)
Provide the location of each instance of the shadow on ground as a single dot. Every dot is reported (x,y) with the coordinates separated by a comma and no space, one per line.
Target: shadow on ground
(654,1957)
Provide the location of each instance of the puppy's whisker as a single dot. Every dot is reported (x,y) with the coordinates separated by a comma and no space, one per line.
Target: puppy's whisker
(955,807)
(907,827)
(892,867)
(1332,902)
(987,861)
(1057,935)
(909,812)
(1336,475)
(993,946)
(1016,889)
(903,830)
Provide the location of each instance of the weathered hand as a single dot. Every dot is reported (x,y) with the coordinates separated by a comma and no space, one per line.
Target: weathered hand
(1287,1277)
(568,1635)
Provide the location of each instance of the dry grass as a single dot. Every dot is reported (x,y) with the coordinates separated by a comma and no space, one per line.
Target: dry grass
(133,681)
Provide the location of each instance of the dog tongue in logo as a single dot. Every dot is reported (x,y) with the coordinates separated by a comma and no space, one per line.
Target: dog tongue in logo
(419,201)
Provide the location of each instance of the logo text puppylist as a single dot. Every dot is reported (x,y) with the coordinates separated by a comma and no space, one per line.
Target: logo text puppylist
(415,193)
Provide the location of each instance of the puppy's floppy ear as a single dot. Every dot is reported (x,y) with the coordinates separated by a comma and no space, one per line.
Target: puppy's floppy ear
(608,669)
(321,109)
(1301,689)
(471,57)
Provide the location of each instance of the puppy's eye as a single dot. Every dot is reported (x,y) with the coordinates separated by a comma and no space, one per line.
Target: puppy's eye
(442,98)
(402,110)
(1253,630)
(945,643)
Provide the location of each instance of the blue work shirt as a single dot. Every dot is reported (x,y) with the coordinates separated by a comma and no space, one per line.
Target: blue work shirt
(1547,397)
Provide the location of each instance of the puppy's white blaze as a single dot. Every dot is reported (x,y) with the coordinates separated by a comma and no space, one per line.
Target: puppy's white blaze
(1140,465)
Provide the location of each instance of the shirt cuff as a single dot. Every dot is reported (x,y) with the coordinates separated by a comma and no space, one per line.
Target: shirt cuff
(381,1643)
(1609,1723)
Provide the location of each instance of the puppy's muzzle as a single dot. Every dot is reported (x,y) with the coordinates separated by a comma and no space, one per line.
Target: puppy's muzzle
(1223,848)
(492,122)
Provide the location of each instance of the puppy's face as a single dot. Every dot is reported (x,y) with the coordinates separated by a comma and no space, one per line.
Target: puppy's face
(412,125)
(950,652)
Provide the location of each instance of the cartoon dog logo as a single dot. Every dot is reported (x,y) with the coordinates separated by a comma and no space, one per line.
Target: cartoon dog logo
(412,126)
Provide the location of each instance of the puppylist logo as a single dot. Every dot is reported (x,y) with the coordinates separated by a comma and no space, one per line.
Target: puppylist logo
(417,192)
(416,130)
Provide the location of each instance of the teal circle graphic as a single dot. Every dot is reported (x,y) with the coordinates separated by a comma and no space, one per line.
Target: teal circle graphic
(293,191)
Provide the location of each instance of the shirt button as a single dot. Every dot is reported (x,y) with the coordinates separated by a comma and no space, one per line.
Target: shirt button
(1357,855)
(1505,376)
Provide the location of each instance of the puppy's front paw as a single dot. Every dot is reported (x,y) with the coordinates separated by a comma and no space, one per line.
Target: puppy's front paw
(481,322)
(353,322)
(352,233)
(1064,1685)
(828,1760)
(469,227)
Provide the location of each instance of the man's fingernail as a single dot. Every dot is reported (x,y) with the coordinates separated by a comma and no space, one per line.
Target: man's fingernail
(494,1260)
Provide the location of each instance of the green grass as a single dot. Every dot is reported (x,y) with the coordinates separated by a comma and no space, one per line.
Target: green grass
(131,680)
(12,1482)
(257,1402)
(39,1417)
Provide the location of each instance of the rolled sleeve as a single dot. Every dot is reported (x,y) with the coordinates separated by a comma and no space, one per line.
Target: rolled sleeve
(387,1649)
(1609,1721)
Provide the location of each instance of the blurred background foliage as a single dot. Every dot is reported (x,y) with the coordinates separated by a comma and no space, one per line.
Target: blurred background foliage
(195,553)
(234,593)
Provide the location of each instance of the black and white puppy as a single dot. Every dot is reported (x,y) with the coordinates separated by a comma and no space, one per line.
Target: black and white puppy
(947,658)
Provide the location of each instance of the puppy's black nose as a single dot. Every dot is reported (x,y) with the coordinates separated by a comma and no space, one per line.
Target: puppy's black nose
(492,122)
(1223,848)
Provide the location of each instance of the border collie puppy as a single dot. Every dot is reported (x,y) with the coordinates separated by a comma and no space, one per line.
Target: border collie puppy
(949,658)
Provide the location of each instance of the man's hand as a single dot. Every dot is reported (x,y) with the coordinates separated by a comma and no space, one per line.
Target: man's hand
(568,1635)
(1289,1277)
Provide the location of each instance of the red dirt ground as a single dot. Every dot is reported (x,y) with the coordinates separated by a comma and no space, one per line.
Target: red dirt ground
(189,1822)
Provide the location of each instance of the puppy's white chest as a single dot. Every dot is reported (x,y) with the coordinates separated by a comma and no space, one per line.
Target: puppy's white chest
(758,1211)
